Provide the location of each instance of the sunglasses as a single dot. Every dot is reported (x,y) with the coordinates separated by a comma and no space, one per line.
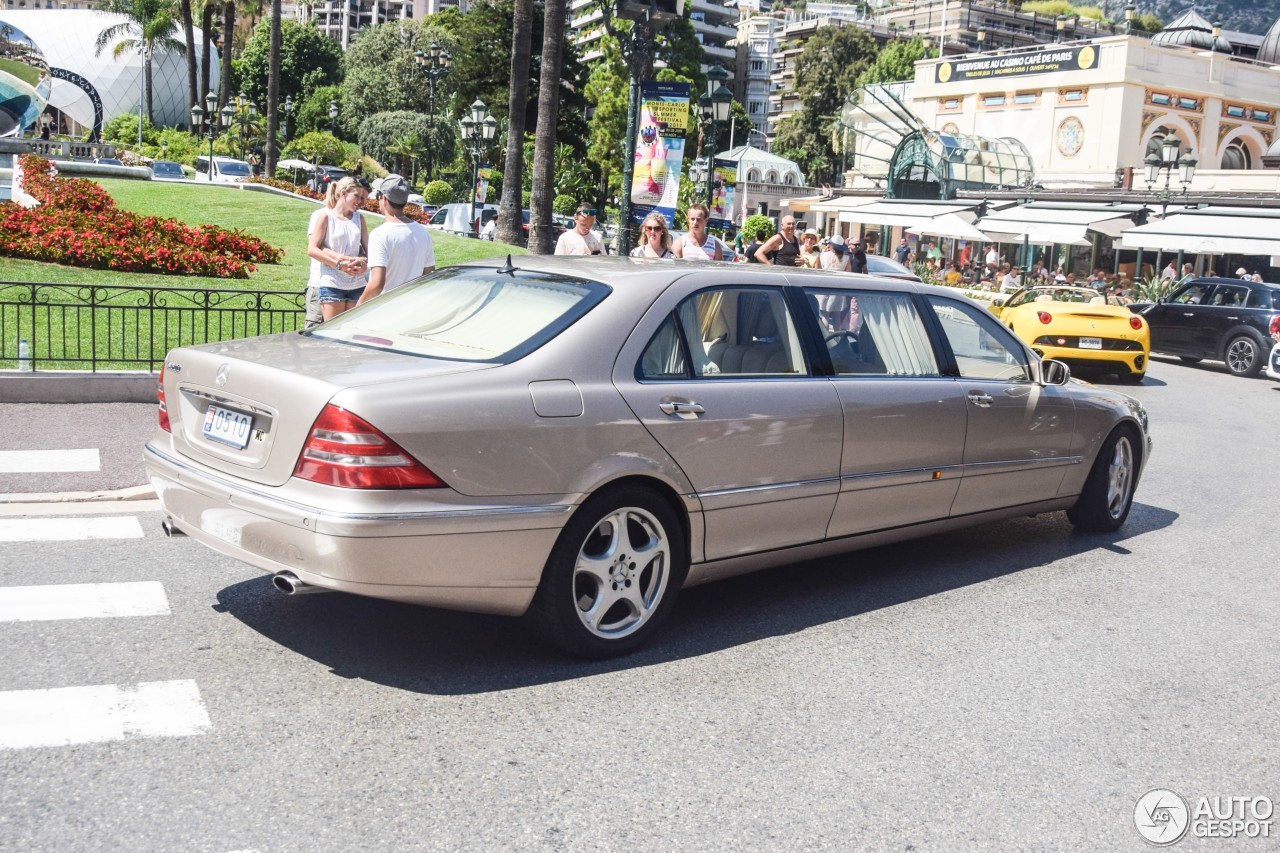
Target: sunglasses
(587,211)
(653,228)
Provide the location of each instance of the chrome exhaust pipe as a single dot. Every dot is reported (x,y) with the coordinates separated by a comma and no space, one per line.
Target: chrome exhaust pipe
(291,584)
(170,529)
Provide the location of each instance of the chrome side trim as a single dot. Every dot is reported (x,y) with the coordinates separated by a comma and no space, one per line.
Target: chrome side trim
(545,509)
(905,472)
(1023,464)
(772,487)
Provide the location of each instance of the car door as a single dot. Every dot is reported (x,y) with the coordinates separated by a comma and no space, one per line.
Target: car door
(1020,439)
(1222,311)
(904,421)
(724,386)
(1174,321)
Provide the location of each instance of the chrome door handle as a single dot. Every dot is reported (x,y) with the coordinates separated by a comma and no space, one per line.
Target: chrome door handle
(979,399)
(671,407)
(1189,314)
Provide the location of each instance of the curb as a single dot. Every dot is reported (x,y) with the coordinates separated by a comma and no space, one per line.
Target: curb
(133,493)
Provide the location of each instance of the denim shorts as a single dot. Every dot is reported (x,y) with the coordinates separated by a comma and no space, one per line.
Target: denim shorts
(338,294)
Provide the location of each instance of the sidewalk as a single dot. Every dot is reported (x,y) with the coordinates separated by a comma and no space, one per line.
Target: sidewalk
(74,452)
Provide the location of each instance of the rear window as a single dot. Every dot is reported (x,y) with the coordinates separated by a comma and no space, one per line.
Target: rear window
(233,168)
(468,314)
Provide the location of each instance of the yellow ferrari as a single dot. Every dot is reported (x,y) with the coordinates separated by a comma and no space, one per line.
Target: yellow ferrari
(1080,326)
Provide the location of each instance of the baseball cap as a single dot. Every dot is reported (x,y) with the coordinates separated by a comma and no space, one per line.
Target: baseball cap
(394,188)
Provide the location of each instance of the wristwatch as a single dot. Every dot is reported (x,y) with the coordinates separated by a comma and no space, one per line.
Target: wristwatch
(339,264)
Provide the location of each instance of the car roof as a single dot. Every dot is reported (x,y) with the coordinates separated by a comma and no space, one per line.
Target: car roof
(1226,280)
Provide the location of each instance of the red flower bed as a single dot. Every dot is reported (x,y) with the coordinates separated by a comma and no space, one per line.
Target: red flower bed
(78,223)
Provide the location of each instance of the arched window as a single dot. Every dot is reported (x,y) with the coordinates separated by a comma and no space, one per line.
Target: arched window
(1236,156)
(771,177)
(754,176)
(789,179)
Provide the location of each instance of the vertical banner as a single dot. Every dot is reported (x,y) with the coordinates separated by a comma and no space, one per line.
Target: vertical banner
(482,182)
(724,182)
(664,121)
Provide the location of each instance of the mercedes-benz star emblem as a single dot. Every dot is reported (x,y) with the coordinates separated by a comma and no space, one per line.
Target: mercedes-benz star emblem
(220,378)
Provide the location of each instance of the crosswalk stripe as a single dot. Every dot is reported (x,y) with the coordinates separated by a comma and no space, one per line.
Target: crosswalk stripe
(63,529)
(82,601)
(76,715)
(48,461)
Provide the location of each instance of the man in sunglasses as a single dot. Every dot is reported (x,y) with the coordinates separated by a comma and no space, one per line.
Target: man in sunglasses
(580,240)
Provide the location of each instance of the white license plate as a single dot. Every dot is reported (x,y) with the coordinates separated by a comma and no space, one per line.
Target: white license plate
(1091,343)
(227,427)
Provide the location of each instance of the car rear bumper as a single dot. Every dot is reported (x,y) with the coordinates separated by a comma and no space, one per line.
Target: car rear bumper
(1273,362)
(1132,361)
(484,558)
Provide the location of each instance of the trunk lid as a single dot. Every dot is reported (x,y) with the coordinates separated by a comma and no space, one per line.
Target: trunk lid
(260,396)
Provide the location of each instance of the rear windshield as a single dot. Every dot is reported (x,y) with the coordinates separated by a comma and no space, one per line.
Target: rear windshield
(468,314)
(233,168)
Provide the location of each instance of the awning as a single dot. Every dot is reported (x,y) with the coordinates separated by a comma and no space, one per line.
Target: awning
(1062,224)
(947,225)
(1242,231)
(893,212)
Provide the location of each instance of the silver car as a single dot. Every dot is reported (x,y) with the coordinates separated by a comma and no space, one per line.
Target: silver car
(577,439)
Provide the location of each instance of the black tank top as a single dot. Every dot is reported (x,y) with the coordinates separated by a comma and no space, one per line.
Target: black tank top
(787,254)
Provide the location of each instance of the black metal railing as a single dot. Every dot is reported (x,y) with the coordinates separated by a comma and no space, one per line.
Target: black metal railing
(100,327)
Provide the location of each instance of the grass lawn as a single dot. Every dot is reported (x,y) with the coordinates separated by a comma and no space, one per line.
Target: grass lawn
(278,219)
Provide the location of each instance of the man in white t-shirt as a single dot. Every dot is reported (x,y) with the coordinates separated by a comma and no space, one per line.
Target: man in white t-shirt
(400,249)
(579,240)
(992,259)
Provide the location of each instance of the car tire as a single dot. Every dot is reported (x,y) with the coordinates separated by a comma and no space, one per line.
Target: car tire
(1244,356)
(613,575)
(1107,496)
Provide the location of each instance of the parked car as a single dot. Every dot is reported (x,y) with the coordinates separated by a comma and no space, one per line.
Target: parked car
(455,218)
(168,170)
(449,444)
(1080,326)
(322,176)
(226,170)
(107,161)
(889,268)
(1221,319)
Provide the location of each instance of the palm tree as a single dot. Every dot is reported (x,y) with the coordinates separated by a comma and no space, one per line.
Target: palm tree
(189,36)
(273,93)
(208,14)
(544,179)
(510,221)
(406,148)
(149,25)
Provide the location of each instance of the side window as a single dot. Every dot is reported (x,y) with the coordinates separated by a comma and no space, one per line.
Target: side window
(1229,295)
(1193,295)
(1263,299)
(982,347)
(872,333)
(664,357)
(726,332)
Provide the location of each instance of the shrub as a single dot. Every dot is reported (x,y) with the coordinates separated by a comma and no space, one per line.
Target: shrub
(564,205)
(438,192)
(77,223)
(758,222)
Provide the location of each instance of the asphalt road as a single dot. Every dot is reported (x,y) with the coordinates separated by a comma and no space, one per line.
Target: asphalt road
(1016,686)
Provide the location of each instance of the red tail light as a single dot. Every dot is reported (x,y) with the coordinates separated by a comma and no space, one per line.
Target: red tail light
(347,451)
(1135,323)
(1275,327)
(162,414)
(1045,317)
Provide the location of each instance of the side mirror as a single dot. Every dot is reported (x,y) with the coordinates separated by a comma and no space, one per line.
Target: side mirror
(1054,372)
(997,303)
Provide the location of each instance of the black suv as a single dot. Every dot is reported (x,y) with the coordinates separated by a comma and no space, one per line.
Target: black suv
(1224,319)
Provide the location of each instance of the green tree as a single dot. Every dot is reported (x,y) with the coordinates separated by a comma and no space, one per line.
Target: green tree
(564,205)
(309,60)
(317,147)
(123,130)
(553,27)
(896,61)
(438,193)
(510,222)
(149,26)
(378,134)
(758,222)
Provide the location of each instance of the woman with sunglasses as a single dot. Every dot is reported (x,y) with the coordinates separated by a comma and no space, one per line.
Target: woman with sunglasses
(655,241)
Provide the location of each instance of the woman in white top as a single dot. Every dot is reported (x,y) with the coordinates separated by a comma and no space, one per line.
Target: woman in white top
(339,242)
(698,245)
(836,256)
(655,238)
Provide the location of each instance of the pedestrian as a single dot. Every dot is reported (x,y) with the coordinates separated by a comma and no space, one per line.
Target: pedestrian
(696,244)
(400,249)
(580,239)
(1170,272)
(903,251)
(992,260)
(655,239)
(340,243)
(314,317)
(934,254)
(1243,273)
(836,256)
(1012,281)
(490,230)
(858,263)
(755,245)
(783,248)
(810,254)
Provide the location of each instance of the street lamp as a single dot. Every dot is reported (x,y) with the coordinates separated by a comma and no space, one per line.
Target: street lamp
(1129,11)
(333,118)
(716,105)
(434,64)
(698,174)
(478,130)
(1166,161)
(1061,25)
(982,37)
(246,110)
(288,117)
(205,121)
